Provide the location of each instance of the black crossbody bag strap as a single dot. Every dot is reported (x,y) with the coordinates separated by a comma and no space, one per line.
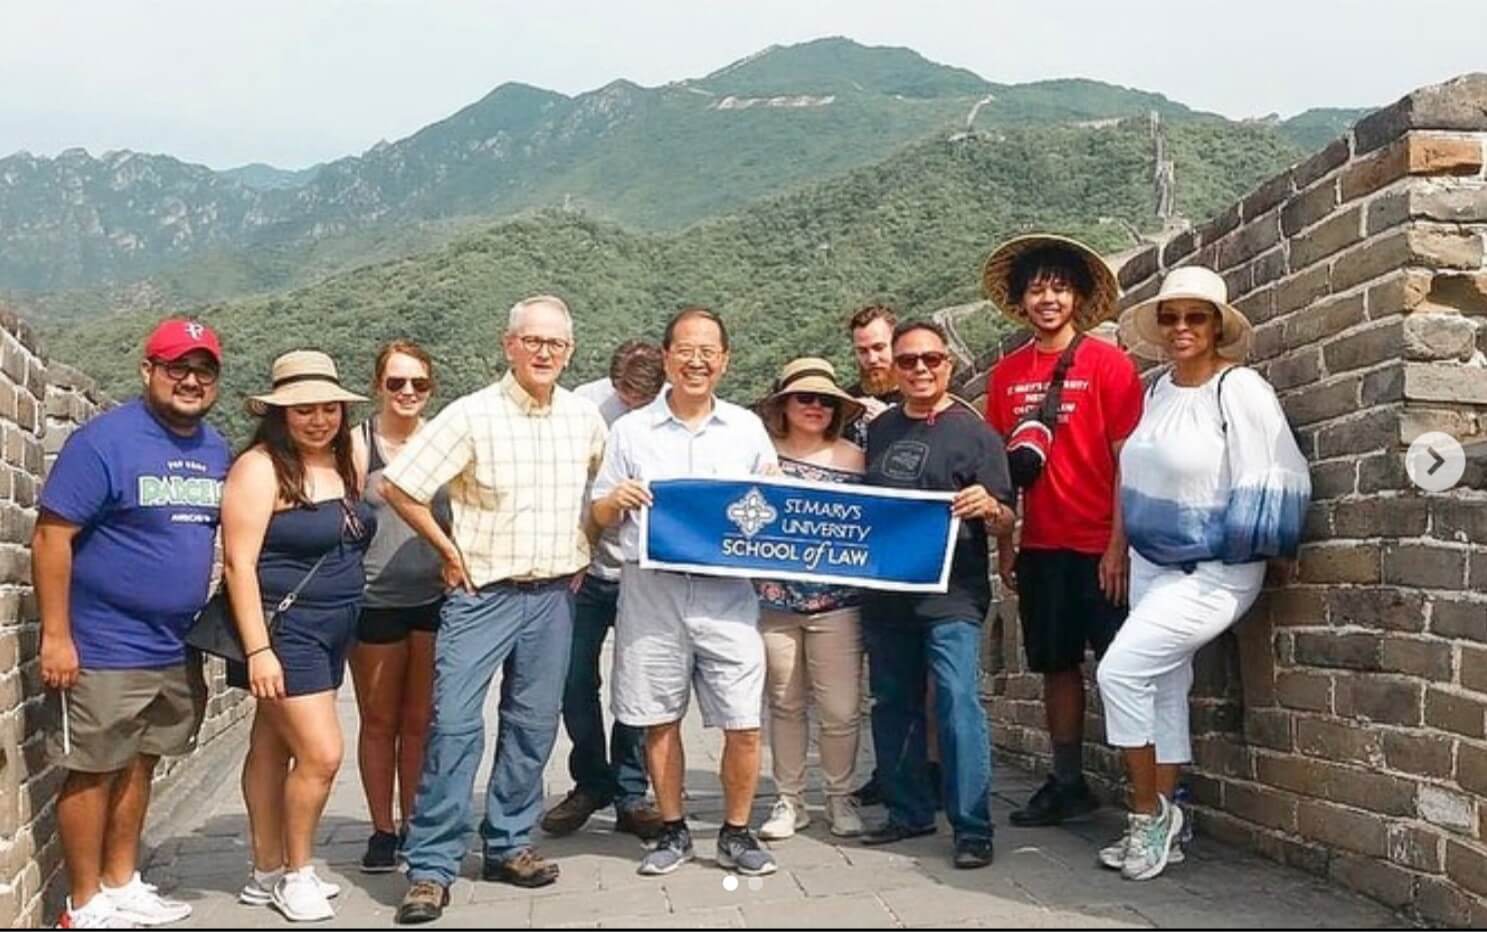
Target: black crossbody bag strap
(289,600)
(1048,412)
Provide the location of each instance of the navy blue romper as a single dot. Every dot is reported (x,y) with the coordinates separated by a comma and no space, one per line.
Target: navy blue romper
(315,634)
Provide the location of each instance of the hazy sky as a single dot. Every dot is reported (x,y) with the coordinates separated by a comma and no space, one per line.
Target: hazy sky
(293,82)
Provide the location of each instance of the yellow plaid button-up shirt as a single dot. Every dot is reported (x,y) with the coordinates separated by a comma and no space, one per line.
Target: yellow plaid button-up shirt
(516,471)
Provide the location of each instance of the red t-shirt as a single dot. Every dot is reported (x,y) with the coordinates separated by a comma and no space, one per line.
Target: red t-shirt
(1070,506)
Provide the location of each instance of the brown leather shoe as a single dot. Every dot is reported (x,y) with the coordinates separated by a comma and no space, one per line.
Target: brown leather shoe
(525,869)
(424,902)
(644,822)
(570,815)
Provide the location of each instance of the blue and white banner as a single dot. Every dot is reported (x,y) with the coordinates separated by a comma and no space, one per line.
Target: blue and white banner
(777,528)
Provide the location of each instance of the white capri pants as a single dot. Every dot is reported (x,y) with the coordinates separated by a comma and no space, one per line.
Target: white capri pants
(1147,673)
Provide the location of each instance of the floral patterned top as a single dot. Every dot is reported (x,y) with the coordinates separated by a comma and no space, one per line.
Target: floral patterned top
(804,598)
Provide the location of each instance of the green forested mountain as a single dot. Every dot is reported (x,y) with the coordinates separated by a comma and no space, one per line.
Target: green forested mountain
(911,229)
(131,228)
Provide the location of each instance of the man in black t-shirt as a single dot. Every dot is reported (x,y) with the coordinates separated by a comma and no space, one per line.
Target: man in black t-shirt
(932,442)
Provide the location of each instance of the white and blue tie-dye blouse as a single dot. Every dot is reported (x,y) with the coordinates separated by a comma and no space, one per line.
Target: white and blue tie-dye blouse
(1194,489)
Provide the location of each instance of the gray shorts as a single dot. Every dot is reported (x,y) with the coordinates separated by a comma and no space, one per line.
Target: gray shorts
(116,715)
(675,630)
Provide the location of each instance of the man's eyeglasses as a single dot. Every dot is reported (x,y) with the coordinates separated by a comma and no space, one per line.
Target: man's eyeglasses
(816,398)
(177,371)
(1193,319)
(557,346)
(395,385)
(708,354)
(908,362)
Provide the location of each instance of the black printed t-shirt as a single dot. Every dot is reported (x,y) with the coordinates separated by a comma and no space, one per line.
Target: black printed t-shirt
(951,451)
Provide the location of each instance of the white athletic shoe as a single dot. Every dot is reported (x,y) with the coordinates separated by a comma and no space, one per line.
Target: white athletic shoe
(1113,855)
(1152,838)
(259,890)
(97,913)
(786,818)
(298,895)
(141,903)
(841,813)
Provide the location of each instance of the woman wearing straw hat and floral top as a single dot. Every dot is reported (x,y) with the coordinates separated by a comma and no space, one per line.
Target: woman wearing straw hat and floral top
(293,521)
(1065,403)
(1212,486)
(812,644)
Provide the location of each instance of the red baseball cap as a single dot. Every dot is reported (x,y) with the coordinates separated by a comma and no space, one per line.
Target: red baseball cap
(175,338)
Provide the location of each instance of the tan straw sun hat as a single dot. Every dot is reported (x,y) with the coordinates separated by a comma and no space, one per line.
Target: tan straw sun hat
(302,377)
(812,374)
(996,278)
(1138,325)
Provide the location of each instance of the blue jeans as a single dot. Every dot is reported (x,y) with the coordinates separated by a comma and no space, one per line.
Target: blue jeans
(900,659)
(618,776)
(525,633)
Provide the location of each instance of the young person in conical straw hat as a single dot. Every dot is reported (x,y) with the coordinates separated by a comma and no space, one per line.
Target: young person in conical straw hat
(1065,403)
(1212,486)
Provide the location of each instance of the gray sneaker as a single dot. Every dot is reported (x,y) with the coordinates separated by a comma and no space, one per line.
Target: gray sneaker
(1152,838)
(673,849)
(740,851)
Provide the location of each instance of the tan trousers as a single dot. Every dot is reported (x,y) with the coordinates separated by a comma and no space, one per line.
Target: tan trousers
(815,659)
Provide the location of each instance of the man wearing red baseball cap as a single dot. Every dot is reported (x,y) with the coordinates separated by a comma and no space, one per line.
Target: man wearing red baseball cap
(122,561)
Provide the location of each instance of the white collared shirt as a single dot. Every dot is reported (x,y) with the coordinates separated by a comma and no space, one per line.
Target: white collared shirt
(652,443)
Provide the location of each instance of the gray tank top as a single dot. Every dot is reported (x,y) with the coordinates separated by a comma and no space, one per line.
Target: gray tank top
(402,568)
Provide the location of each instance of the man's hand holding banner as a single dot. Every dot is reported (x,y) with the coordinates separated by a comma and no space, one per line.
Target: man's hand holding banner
(777,528)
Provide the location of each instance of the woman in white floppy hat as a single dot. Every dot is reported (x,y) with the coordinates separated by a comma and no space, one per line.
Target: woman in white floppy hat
(294,521)
(1212,486)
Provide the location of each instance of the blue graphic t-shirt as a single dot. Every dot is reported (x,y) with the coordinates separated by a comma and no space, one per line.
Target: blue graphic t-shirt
(147,500)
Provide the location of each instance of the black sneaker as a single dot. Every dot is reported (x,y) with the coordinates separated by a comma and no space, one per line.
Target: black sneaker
(382,854)
(869,794)
(1055,803)
(973,852)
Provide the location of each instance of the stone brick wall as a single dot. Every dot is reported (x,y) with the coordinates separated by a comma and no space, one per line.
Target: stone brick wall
(1342,725)
(41,402)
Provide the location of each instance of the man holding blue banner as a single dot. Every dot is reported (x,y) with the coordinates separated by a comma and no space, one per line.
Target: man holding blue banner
(676,630)
(934,442)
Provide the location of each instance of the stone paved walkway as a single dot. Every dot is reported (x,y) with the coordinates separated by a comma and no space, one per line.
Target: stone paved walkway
(1042,878)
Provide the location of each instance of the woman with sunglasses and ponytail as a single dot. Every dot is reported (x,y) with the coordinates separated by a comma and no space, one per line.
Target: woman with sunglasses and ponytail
(813,649)
(1212,486)
(934,442)
(392,665)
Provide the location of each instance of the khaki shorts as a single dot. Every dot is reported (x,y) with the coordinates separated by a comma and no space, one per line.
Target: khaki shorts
(115,716)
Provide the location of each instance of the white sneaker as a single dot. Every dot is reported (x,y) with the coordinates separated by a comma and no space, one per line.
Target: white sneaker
(299,897)
(259,890)
(1152,838)
(786,818)
(141,903)
(97,913)
(841,812)
(1113,855)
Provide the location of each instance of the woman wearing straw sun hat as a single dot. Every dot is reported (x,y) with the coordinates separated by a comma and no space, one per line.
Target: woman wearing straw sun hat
(1212,485)
(295,531)
(1065,404)
(812,643)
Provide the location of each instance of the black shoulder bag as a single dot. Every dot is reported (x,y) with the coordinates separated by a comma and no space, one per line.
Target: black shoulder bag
(214,630)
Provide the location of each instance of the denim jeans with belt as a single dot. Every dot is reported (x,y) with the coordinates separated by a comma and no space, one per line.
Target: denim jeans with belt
(525,631)
(900,660)
(618,776)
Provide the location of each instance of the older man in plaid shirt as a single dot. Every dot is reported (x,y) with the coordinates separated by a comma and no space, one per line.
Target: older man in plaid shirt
(517,457)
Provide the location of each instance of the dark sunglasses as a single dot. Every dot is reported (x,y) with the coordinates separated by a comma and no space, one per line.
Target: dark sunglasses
(908,362)
(1193,319)
(177,371)
(817,398)
(395,385)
